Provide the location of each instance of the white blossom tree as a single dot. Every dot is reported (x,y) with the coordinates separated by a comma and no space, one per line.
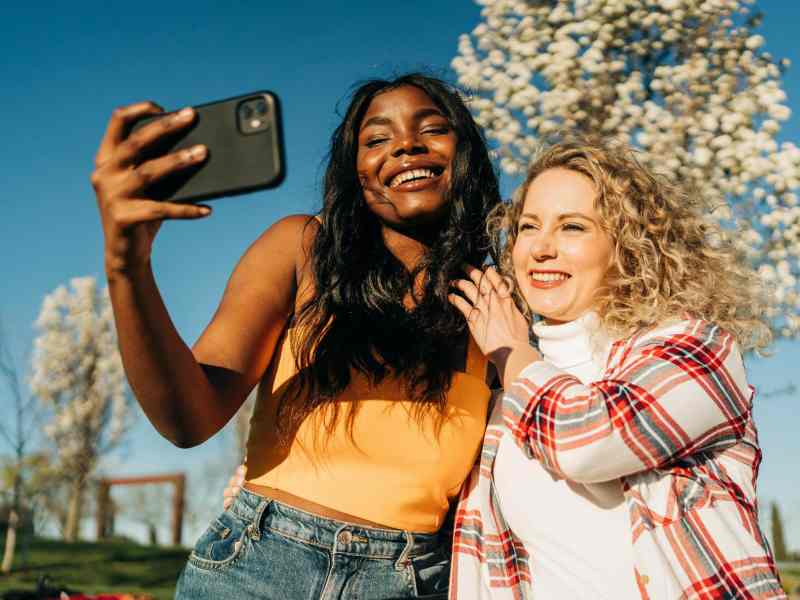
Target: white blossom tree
(688,82)
(78,377)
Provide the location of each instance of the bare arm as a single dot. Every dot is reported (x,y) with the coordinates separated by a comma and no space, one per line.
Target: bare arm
(188,395)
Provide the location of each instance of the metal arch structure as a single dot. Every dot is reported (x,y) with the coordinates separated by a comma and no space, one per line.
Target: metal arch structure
(105,513)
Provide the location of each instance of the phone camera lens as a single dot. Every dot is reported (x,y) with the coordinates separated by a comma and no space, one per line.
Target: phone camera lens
(261,107)
(247,112)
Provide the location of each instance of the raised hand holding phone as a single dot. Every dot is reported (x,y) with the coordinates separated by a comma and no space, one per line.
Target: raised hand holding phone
(121,176)
(242,136)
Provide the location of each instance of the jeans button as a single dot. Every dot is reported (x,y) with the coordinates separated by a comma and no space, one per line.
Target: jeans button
(345,537)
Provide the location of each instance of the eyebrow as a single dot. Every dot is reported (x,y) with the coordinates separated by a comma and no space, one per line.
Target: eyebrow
(418,116)
(561,217)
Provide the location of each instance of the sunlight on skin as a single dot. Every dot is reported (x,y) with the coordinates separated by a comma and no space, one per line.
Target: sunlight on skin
(562,252)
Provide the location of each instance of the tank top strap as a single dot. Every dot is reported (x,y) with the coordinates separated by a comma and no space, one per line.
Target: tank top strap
(477,363)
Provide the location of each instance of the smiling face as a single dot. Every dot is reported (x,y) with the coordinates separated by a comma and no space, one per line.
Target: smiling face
(406,148)
(562,253)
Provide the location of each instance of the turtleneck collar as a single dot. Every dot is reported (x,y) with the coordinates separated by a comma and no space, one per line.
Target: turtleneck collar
(572,344)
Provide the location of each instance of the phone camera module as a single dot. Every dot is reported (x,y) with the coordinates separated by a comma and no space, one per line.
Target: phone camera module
(252,115)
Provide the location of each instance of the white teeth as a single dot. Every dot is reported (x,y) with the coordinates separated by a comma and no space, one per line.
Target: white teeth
(549,276)
(409,175)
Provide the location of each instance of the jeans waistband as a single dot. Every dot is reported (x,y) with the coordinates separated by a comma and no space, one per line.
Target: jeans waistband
(337,536)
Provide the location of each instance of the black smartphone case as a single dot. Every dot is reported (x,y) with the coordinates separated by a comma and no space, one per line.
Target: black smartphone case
(237,162)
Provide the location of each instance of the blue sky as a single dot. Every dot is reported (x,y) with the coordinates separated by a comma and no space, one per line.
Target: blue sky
(67,65)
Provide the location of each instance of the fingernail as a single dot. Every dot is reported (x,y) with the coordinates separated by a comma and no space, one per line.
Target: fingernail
(204,210)
(197,152)
(185,114)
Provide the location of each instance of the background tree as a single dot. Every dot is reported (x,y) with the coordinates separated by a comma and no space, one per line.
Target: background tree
(686,81)
(78,377)
(778,539)
(147,505)
(19,434)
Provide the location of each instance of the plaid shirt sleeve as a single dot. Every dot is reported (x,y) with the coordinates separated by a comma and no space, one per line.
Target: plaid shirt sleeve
(665,395)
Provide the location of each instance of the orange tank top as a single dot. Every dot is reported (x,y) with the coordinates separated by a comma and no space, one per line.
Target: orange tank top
(394,467)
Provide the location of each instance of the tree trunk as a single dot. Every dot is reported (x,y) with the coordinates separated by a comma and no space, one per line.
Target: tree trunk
(13,516)
(153,534)
(74,511)
(11,541)
(778,540)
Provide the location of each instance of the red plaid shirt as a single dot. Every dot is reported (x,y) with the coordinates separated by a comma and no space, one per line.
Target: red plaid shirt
(671,417)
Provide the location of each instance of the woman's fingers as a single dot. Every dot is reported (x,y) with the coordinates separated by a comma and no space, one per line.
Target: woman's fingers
(477,277)
(139,178)
(234,487)
(471,303)
(470,312)
(487,281)
(119,125)
(128,214)
(228,496)
(130,151)
(499,283)
(469,289)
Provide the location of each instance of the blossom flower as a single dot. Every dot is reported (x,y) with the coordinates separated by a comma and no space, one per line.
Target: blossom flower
(77,374)
(687,82)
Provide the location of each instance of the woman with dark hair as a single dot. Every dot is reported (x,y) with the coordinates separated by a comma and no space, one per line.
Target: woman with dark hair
(372,396)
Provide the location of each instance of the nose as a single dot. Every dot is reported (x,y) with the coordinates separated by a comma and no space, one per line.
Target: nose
(543,246)
(408,143)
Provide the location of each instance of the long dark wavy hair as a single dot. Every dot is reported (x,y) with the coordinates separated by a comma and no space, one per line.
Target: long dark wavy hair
(356,319)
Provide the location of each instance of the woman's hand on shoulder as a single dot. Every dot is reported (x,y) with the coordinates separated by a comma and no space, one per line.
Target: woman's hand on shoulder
(234,486)
(122,175)
(495,322)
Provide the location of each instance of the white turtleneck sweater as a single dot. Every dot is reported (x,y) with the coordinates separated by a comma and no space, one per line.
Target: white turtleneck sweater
(578,535)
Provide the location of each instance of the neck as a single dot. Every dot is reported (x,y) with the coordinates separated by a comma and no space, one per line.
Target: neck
(407,246)
(568,345)
(409,249)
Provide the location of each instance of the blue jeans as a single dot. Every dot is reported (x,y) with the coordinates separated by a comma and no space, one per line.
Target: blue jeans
(260,548)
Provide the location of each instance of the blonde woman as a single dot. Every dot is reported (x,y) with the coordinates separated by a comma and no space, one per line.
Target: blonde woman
(621,460)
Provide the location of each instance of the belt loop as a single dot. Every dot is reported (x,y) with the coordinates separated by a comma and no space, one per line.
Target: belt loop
(403,560)
(254,528)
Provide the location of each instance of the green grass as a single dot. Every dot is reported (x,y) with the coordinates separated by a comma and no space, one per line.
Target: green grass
(790,579)
(124,566)
(93,568)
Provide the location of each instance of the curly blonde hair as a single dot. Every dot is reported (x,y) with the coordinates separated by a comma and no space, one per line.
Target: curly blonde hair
(670,260)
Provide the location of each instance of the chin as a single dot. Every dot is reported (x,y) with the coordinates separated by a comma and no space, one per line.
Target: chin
(422,214)
(550,316)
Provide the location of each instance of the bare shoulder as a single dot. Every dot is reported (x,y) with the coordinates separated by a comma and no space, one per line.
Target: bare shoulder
(259,298)
(290,235)
(272,264)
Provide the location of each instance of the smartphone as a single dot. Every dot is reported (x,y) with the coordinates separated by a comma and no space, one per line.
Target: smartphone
(245,150)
